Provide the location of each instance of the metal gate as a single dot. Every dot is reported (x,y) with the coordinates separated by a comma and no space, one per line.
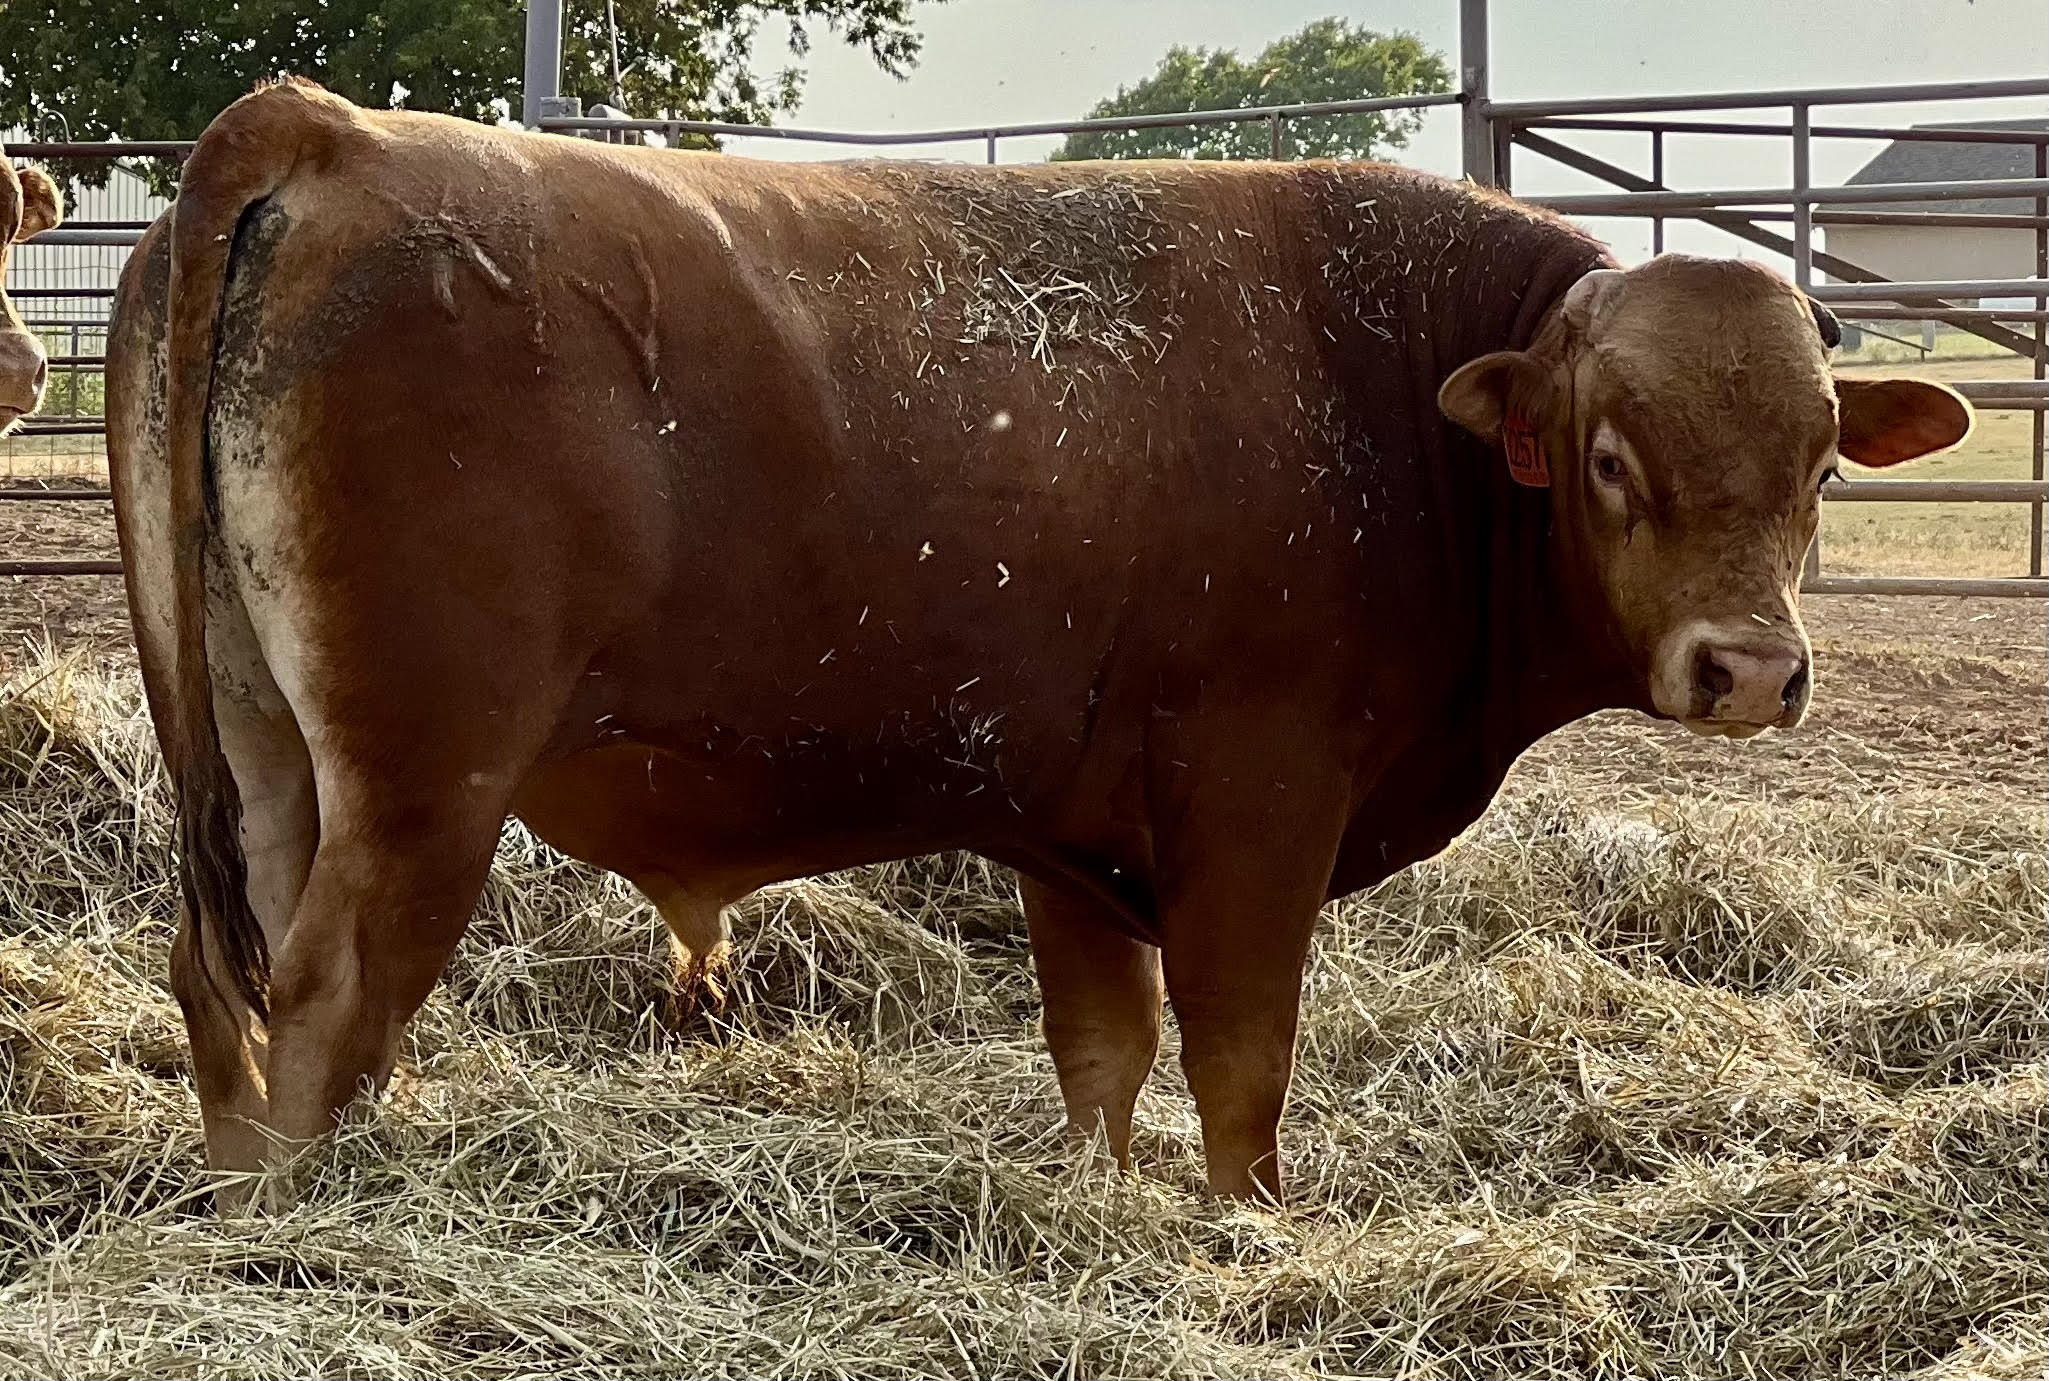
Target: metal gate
(1492,132)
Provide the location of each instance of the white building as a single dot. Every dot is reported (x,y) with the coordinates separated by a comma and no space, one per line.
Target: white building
(1943,253)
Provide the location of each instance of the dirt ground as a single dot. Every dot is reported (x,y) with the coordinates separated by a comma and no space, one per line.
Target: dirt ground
(69,610)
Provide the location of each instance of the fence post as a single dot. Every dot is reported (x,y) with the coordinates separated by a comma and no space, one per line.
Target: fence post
(543,80)
(1803,269)
(1803,209)
(1658,176)
(1475,123)
(2035,510)
(1273,136)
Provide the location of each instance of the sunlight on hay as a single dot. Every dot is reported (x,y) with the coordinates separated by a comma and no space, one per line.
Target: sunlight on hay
(1707,1090)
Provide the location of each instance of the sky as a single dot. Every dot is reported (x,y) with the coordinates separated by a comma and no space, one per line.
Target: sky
(1011,61)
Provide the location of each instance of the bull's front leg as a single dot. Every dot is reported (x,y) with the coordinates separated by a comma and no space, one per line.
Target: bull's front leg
(1102,998)
(1246,872)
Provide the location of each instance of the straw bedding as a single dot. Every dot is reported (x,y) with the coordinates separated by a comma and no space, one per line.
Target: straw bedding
(1627,1083)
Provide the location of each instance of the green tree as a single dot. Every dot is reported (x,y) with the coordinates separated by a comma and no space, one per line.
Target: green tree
(160,69)
(1328,60)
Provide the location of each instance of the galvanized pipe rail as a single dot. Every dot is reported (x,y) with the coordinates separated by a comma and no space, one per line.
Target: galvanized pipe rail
(98,566)
(1275,117)
(1744,226)
(1522,112)
(1644,203)
(1893,133)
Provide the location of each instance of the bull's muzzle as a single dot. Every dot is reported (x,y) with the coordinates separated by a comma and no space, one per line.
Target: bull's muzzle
(1733,685)
(23,370)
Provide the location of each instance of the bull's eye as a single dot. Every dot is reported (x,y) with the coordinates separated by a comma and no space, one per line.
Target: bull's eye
(1608,466)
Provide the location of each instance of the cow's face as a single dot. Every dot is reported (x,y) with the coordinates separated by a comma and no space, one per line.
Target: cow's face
(1686,417)
(28,206)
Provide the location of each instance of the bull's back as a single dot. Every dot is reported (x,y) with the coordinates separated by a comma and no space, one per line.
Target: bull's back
(679,394)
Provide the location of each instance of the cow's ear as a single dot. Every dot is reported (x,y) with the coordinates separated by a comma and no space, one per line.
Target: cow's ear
(1483,394)
(41,208)
(1886,421)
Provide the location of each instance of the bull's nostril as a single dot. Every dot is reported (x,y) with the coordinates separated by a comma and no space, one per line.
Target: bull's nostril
(1710,678)
(1796,686)
(42,377)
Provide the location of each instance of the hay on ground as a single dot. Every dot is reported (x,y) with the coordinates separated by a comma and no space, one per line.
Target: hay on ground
(1706,1090)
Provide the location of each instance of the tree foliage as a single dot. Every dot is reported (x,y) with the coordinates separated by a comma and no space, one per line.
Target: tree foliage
(161,69)
(1327,60)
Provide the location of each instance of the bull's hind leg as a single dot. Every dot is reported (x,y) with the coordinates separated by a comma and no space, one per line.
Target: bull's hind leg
(1103,995)
(393,882)
(227,1054)
(280,827)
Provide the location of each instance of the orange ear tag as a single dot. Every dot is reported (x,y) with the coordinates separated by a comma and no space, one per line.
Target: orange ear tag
(1525,453)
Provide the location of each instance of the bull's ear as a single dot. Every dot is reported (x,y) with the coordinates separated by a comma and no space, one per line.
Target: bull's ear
(1825,324)
(1886,421)
(1481,394)
(41,208)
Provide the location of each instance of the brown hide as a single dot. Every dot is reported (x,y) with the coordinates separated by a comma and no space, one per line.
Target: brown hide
(733,521)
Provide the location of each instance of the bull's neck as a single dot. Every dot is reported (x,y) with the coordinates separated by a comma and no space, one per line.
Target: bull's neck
(1426,276)
(1542,656)
(1541,650)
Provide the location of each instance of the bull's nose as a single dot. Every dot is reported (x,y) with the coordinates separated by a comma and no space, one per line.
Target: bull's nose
(23,371)
(1749,685)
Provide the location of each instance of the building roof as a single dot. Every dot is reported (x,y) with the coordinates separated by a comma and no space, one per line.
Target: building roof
(1915,160)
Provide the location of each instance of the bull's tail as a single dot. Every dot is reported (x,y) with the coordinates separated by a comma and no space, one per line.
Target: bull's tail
(247,153)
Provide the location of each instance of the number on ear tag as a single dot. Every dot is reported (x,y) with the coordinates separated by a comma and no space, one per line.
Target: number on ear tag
(1525,453)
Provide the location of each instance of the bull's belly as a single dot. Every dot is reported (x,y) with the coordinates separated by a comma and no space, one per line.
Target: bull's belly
(724,823)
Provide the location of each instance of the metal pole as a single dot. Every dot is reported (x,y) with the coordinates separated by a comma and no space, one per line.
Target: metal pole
(1302,110)
(543,58)
(1803,210)
(2035,510)
(1758,100)
(1658,176)
(1476,121)
(1273,136)
(1937,134)
(992,148)
(612,29)
(1803,273)
(1644,203)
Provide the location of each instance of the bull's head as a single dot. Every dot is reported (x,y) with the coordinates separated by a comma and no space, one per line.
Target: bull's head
(1684,417)
(29,205)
